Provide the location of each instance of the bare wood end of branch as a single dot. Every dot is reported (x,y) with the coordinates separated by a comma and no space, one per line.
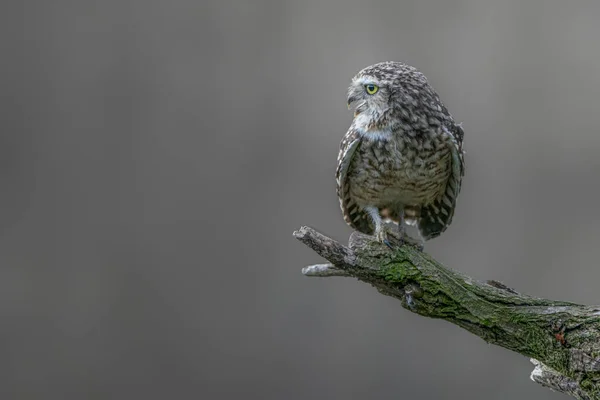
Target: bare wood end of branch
(324,271)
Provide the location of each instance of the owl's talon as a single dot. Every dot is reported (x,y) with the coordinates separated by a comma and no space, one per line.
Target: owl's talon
(382,236)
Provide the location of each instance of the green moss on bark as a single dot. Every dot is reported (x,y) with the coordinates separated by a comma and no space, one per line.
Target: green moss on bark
(529,326)
(563,337)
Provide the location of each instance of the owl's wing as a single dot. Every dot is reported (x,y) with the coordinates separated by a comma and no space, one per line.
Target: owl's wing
(353,215)
(436,217)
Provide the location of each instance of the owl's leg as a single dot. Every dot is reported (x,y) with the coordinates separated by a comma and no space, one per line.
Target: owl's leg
(400,217)
(421,239)
(419,242)
(409,216)
(380,232)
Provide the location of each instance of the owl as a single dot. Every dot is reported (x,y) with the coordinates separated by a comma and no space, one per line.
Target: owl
(402,158)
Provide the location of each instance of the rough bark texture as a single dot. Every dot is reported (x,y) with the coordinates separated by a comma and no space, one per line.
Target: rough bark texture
(562,339)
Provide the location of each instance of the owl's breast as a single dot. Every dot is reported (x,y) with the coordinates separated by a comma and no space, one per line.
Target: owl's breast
(406,171)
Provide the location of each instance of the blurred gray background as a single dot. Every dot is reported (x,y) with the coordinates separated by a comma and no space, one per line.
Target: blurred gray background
(156,157)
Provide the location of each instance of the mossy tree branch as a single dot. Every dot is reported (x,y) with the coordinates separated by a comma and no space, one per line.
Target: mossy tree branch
(562,339)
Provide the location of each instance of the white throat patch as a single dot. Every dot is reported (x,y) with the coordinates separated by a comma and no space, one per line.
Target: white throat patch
(361,124)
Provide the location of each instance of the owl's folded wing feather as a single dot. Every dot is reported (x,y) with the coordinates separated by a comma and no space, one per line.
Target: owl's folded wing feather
(353,215)
(436,217)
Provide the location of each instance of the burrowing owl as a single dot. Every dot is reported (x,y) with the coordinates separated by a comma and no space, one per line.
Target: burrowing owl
(402,156)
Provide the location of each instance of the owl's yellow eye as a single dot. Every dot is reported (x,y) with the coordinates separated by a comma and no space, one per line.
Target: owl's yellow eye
(371,89)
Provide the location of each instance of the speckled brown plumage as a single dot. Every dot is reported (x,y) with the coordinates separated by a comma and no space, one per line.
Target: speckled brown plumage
(402,157)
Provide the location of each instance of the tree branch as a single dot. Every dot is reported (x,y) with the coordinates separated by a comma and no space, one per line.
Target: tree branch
(561,338)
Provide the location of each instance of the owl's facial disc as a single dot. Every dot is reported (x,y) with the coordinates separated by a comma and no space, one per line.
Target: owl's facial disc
(367,96)
(358,95)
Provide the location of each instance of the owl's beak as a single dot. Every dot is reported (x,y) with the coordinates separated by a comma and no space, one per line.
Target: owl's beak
(351,100)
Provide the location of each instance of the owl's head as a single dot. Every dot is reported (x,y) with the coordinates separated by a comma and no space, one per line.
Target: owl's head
(384,93)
